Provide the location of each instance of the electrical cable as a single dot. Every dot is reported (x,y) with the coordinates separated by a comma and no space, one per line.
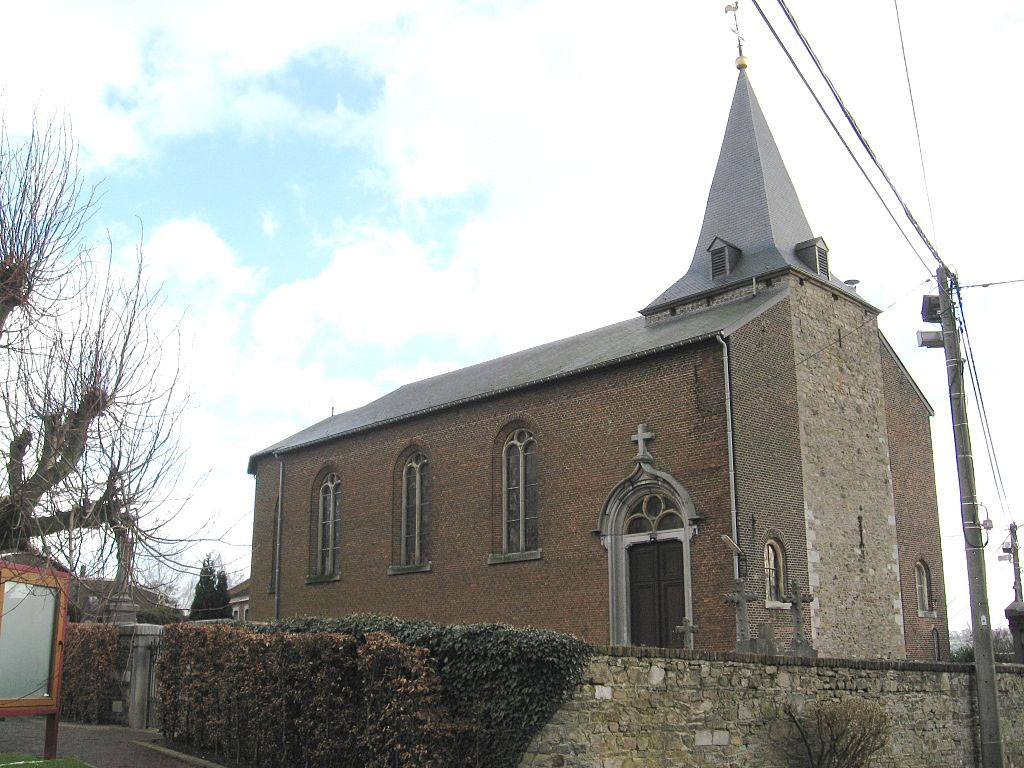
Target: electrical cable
(842,139)
(986,430)
(917,129)
(988,285)
(856,130)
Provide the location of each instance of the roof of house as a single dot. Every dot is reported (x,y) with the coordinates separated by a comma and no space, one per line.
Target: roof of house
(567,357)
(241,589)
(752,205)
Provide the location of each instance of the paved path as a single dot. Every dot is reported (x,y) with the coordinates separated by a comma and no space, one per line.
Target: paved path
(103,746)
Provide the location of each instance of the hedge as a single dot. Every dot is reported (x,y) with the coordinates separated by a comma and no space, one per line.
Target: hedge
(317,699)
(500,684)
(89,675)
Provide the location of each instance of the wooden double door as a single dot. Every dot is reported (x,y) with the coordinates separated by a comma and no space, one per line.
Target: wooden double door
(657,597)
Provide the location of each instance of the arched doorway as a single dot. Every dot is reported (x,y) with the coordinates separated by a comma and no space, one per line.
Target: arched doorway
(646,525)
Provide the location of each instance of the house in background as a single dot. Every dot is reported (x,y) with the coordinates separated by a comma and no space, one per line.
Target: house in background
(238,601)
(586,485)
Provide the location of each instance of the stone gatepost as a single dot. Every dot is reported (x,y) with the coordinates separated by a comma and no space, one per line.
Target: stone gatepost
(143,641)
(1015,615)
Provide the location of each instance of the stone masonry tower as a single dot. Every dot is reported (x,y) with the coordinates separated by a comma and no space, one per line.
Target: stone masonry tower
(812,452)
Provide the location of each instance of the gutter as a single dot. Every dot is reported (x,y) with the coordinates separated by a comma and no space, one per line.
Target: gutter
(277,538)
(732,457)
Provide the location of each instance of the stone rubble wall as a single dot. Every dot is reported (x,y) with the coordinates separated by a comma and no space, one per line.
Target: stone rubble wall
(647,708)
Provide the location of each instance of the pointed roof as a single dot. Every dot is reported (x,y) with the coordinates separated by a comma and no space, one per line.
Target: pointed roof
(752,206)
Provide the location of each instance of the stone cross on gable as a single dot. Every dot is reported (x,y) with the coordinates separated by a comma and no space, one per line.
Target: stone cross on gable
(740,597)
(640,438)
(687,630)
(796,601)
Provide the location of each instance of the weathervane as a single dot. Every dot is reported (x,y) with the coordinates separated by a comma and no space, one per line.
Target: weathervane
(741,60)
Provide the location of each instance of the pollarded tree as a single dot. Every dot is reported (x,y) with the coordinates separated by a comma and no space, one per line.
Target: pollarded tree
(90,410)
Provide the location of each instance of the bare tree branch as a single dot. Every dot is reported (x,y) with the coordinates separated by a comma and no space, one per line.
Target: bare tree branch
(91,404)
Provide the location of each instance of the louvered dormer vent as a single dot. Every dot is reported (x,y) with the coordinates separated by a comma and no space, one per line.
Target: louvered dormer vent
(814,255)
(723,257)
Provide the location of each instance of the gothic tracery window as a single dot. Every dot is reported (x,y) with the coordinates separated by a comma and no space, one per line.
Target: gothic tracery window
(653,512)
(519,493)
(774,572)
(415,511)
(328,548)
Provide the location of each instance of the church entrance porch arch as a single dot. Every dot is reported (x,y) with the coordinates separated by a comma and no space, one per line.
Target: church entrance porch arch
(646,525)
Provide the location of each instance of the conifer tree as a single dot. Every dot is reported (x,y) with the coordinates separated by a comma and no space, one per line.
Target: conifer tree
(211,596)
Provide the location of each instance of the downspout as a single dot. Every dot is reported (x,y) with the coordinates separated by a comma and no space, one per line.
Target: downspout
(732,458)
(277,538)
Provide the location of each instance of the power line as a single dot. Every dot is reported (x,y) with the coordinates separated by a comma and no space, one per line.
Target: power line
(856,129)
(913,110)
(842,139)
(988,285)
(986,430)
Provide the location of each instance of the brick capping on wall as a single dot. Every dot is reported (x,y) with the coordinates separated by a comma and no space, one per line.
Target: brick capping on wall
(894,665)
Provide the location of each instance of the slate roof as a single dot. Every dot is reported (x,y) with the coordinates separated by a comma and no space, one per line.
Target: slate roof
(752,205)
(606,346)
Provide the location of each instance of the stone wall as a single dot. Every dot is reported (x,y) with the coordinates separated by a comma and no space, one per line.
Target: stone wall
(641,708)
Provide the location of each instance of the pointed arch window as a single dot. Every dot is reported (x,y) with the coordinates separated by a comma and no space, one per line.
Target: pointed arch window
(328,547)
(774,572)
(415,511)
(519,493)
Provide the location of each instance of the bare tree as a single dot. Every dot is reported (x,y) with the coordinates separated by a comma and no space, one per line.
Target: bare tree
(90,405)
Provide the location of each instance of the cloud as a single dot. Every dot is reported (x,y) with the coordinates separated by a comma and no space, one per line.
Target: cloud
(268,223)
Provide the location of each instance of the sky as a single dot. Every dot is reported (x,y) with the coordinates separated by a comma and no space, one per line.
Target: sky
(339,198)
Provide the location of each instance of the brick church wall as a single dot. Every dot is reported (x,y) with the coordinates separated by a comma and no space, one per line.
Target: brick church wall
(917,514)
(582,426)
(769,478)
(647,709)
(848,495)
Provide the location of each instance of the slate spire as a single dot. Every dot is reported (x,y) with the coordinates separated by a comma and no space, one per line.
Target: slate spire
(752,207)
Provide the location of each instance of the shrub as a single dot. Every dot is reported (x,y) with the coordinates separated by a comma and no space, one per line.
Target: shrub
(405,720)
(315,699)
(500,684)
(843,733)
(89,680)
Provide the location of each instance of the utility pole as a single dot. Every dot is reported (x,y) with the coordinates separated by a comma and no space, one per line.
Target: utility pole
(1015,610)
(981,625)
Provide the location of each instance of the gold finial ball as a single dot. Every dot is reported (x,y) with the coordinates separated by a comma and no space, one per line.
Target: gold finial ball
(741,62)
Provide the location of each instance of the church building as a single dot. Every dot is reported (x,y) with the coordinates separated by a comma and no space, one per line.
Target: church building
(597,485)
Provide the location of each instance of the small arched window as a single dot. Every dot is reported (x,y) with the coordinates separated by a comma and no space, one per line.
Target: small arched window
(519,493)
(415,511)
(328,546)
(923,581)
(774,572)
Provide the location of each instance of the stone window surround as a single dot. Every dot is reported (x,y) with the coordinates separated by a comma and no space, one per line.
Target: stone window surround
(774,542)
(923,588)
(415,463)
(330,480)
(643,481)
(519,437)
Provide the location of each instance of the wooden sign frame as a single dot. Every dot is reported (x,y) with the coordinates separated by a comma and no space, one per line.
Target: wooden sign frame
(41,705)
